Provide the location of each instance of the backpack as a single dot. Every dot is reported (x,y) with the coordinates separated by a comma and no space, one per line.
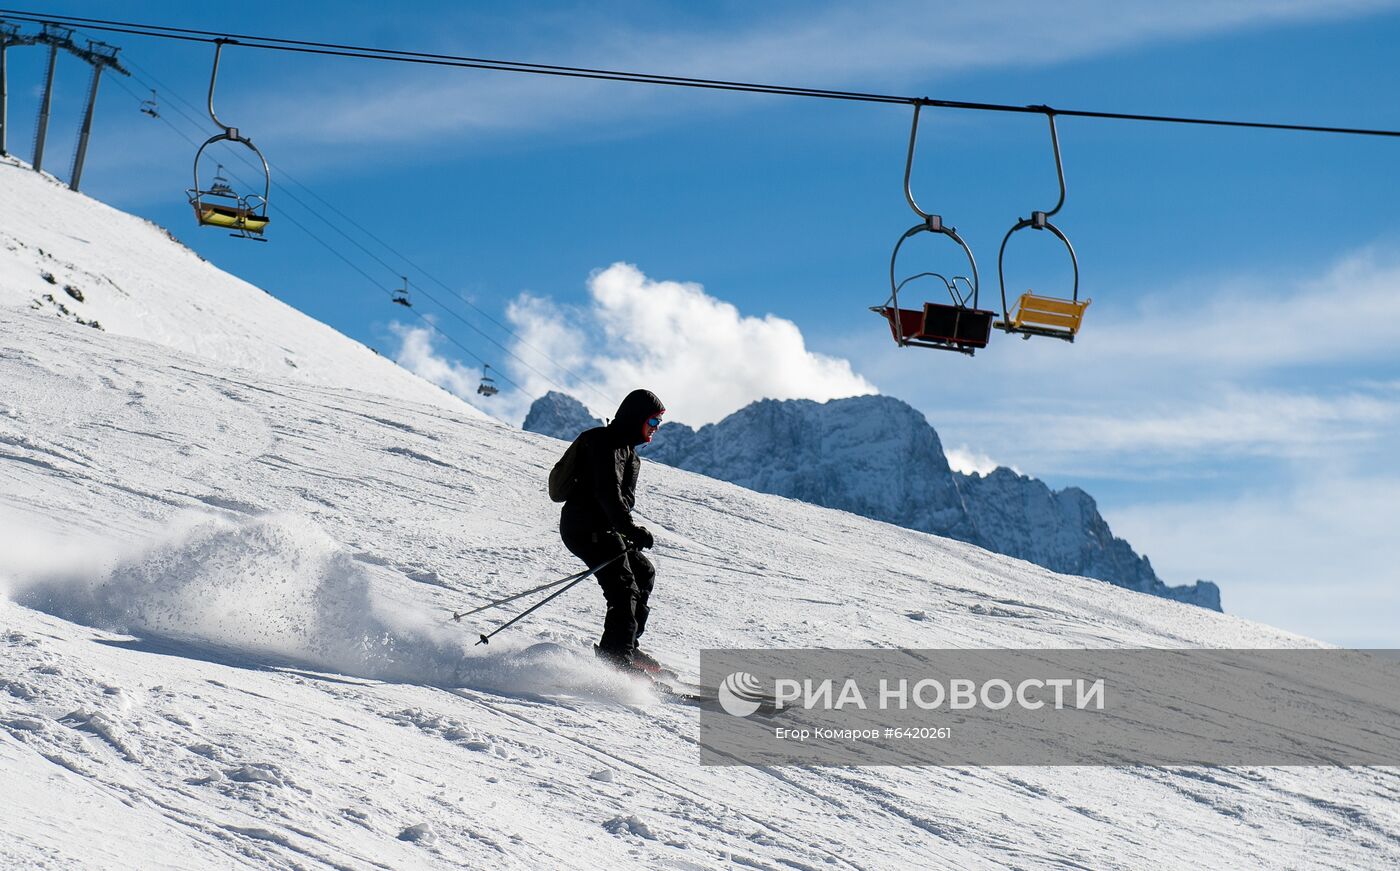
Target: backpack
(563,476)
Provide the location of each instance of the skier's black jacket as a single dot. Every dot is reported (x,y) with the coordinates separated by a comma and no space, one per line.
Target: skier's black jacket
(605,487)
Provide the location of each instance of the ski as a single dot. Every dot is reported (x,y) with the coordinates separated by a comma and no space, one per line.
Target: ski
(669,684)
(701,696)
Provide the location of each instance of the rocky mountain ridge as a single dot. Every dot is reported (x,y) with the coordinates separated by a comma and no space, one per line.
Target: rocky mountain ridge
(878,457)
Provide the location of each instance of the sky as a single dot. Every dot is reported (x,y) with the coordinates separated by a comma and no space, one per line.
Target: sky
(1232,403)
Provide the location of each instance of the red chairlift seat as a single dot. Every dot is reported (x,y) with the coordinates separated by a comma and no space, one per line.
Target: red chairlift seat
(939,325)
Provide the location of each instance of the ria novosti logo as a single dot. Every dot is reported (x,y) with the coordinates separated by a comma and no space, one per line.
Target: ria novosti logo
(740,694)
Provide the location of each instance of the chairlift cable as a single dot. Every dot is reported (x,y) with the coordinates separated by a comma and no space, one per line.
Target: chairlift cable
(426,320)
(348,262)
(283,173)
(284,190)
(455,294)
(422,292)
(433,59)
(1039,220)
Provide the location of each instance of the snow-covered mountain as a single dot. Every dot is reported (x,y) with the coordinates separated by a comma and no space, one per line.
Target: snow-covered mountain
(225,641)
(559,415)
(878,457)
(1062,530)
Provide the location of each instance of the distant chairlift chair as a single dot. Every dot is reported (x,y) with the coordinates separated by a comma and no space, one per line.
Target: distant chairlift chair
(487,387)
(151,107)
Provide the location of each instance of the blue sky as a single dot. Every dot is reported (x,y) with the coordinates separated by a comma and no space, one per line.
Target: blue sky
(1234,400)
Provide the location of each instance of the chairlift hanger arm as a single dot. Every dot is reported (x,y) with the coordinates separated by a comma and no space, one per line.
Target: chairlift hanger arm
(1059,166)
(231,132)
(1039,220)
(401,56)
(909,165)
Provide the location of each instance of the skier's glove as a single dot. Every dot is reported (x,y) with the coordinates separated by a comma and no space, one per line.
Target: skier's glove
(641,537)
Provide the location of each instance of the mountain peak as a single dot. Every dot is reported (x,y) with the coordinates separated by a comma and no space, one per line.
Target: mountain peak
(559,415)
(879,457)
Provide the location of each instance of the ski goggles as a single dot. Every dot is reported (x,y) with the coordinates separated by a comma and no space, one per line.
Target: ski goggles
(653,422)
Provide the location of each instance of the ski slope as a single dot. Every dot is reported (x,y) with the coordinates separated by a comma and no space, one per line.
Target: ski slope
(223,635)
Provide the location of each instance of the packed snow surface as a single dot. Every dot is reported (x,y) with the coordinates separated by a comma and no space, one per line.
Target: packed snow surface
(225,639)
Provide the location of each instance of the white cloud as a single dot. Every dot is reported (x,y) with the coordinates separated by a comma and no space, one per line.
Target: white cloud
(418,354)
(967,461)
(1254,423)
(1349,312)
(1313,552)
(1121,433)
(699,354)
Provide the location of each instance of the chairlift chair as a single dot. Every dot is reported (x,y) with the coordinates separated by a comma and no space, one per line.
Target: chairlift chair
(151,107)
(960,326)
(219,205)
(401,294)
(1040,314)
(487,387)
(220,186)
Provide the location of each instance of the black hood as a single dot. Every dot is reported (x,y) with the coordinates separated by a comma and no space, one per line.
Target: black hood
(635,408)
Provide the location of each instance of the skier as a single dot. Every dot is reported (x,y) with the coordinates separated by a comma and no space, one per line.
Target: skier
(596,524)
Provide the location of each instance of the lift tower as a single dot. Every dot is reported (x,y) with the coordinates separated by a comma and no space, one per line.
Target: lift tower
(9,35)
(100,55)
(55,37)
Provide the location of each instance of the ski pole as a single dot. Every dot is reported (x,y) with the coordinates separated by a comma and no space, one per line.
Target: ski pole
(564,580)
(486,637)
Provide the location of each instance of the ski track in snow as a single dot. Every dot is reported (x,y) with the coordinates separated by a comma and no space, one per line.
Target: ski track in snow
(224,638)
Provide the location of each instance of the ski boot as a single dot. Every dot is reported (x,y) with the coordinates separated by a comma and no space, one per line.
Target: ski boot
(622,662)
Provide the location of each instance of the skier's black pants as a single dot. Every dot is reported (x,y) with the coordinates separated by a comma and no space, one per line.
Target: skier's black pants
(626,584)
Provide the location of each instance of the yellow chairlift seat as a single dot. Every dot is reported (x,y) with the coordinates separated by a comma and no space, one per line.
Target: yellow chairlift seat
(1046,316)
(236,216)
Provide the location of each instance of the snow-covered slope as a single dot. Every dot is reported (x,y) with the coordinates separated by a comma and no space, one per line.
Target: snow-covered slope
(64,253)
(225,645)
